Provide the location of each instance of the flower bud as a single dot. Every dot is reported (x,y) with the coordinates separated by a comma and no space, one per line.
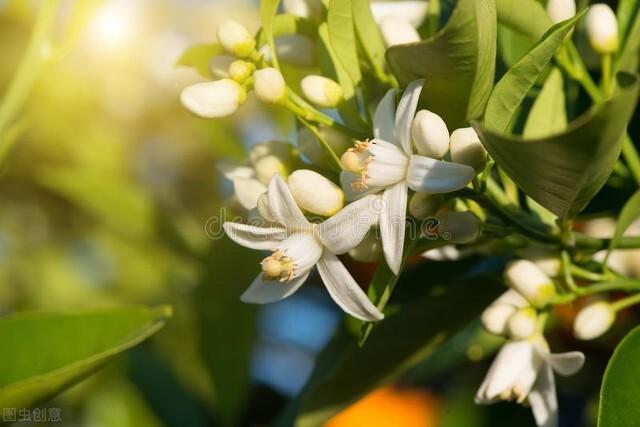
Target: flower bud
(236,39)
(522,324)
(309,9)
(269,86)
(496,317)
(396,30)
(296,49)
(424,205)
(213,99)
(602,29)
(561,10)
(459,227)
(219,66)
(430,134)
(593,320)
(467,149)
(241,70)
(270,158)
(531,282)
(310,146)
(314,193)
(369,250)
(322,91)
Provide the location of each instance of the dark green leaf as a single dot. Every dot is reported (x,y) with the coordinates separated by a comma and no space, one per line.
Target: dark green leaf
(563,172)
(548,114)
(512,89)
(50,351)
(198,56)
(619,392)
(458,63)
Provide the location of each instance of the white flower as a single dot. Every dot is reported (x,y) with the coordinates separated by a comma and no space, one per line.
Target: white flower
(322,91)
(269,86)
(315,193)
(219,98)
(396,30)
(602,28)
(522,324)
(467,149)
(236,39)
(297,246)
(523,371)
(495,318)
(413,12)
(530,281)
(387,164)
(561,10)
(593,320)
(459,227)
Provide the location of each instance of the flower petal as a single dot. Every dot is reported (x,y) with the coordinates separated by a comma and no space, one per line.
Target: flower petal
(405,112)
(437,176)
(232,171)
(384,117)
(347,228)
(392,224)
(565,364)
(304,251)
(413,12)
(247,191)
(350,193)
(264,291)
(387,165)
(543,399)
(283,207)
(344,290)
(252,237)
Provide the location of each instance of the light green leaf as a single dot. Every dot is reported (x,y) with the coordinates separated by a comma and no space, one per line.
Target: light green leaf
(513,45)
(268,10)
(525,16)
(345,372)
(630,212)
(369,38)
(288,24)
(512,89)
(563,172)
(51,351)
(458,63)
(198,56)
(548,114)
(620,385)
(343,37)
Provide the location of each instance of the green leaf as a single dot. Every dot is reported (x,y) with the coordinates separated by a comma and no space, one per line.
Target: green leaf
(268,10)
(528,17)
(198,56)
(630,212)
(369,38)
(548,114)
(345,372)
(512,89)
(563,172)
(343,37)
(51,351)
(513,45)
(288,24)
(620,385)
(628,55)
(458,63)
(626,13)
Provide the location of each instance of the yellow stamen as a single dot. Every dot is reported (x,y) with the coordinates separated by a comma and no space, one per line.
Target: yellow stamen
(278,266)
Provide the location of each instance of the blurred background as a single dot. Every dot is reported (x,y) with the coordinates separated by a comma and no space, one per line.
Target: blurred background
(109,195)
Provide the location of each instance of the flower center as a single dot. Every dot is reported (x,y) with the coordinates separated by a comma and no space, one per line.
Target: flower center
(357,160)
(278,266)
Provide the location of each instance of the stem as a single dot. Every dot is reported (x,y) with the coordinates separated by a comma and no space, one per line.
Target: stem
(625,285)
(626,302)
(606,78)
(631,157)
(312,115)
(582,273)
(566,272)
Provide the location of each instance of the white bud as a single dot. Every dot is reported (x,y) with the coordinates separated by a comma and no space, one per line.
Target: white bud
(270,158)
(213,99)
(531,282)
(459,227)
(236,39)
(241,70)
(546,259)
(219,66)
(593,320)
(522,324)
(561,10)
(309,9)
(424,205)
(315,193)
(296,49)
(396,30)
(602,28)
(269,86)
(430,134)
(310,146)
(495,318)
(467,149)
(322,91)
(369,250)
